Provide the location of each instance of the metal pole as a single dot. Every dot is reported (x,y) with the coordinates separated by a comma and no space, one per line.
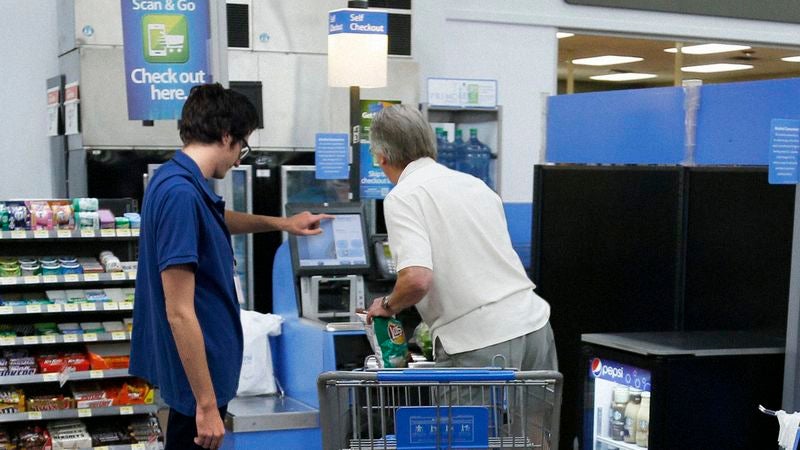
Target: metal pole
(677,74)
(791,371)
(355,143)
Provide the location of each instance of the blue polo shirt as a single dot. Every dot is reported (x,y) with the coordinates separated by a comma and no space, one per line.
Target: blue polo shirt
(183,222)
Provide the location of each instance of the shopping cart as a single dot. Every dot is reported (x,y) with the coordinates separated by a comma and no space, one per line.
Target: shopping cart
(432,409)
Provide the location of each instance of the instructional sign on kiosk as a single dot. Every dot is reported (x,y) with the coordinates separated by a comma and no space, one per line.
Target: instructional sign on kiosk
(784,148)
(166,54)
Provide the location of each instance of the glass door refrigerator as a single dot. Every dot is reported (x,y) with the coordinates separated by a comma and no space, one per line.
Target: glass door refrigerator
(680,390)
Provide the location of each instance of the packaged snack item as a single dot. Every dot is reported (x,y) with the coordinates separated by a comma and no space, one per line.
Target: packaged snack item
(31,437)
(87,220)
(135,219)
(122,223)
(63,217)
(92,395)
(109,356)
(135,392)
(4,217)
(92,327)
(12,400)
(49,402)
(128,321)
(387,340)
(70,328)
(106,217)
(41,215)
(85,204)
(110,262)
(96,295)
(19,217)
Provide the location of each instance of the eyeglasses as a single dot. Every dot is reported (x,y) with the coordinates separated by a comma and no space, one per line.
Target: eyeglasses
(245,150)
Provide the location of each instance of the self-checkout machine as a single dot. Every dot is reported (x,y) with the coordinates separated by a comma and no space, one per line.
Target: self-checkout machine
(319,283)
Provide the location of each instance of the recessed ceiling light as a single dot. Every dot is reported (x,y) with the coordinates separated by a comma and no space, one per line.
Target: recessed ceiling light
(711,68)
(606,60)
(623,76)
(562,35)
(791,59)
(707,49)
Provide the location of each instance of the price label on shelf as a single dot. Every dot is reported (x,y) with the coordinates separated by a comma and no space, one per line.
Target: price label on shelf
(19,234)
(108,232)
(88,233)
(6,310)
(33,309)
(72,278)
(54,308)
(110,306)
(64,234)
(88,307)
(119,336)
(50,377)
(31,279)
(30,340)
(34,415)
(8,341)
(125,410)
(49,339)
(8,280)
(131,275)
(96,374)
(138,446)
(89,337)
(84,412)
(135,232)
(118,276)
(50,278)
(71,307)
(70,338)
(104,447)
(91,277)
(124,232)
(41,234)
(125,306)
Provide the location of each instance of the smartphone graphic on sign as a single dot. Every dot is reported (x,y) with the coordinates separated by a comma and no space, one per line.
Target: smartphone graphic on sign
(165,38)
(155,39)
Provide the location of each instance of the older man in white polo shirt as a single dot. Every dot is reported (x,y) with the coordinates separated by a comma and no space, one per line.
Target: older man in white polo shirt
(455,262)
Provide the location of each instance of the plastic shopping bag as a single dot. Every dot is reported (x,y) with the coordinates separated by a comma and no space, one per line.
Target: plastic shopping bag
(257,377)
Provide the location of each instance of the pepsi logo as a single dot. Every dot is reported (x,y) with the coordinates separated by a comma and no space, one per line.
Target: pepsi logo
(597,367)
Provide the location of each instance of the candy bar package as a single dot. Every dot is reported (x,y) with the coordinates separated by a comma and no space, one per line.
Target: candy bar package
(388,341)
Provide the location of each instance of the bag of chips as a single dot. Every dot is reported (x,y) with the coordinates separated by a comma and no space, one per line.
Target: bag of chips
(388,341)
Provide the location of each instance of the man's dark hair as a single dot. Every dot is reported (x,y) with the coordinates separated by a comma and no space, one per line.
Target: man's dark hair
(211,111)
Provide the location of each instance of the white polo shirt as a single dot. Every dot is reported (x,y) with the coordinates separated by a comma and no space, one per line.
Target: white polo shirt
(453,224)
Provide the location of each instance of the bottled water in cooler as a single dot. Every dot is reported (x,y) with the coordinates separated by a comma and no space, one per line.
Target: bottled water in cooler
(444,149)
(476,157)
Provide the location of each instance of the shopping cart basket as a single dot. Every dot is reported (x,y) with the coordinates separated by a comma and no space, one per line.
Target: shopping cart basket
(436,409)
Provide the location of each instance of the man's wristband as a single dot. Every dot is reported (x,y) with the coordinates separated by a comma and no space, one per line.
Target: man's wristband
(385,303)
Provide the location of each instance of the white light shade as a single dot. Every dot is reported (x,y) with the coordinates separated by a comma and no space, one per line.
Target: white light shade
(791,59)
(712,68)
(607,60)
(563,34)
(708,49)
(357,49)
(623,76)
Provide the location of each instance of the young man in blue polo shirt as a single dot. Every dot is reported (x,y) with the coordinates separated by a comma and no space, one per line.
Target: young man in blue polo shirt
(187,338)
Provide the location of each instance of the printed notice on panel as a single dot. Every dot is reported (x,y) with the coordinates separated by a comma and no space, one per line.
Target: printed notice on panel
(784,148)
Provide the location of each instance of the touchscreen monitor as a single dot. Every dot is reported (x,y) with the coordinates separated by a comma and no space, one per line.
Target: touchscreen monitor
(341,248)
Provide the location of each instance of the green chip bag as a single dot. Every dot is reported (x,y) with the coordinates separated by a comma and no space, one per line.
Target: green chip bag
(388,341)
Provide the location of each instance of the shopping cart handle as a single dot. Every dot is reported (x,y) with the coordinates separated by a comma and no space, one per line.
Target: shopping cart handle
(446,375)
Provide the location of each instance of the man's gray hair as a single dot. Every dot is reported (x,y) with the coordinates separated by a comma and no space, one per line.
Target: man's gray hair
(402,135)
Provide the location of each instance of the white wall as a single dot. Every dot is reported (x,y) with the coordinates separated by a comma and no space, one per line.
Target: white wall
(514,42)
(28,57)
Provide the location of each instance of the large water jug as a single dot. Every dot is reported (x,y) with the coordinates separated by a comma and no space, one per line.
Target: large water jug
(477,158)
(444,149)
(459,148)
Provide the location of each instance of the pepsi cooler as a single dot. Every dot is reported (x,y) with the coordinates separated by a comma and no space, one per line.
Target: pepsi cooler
(700,390)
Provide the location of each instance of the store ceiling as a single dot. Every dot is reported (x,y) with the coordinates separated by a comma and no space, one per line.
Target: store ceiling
(766,61)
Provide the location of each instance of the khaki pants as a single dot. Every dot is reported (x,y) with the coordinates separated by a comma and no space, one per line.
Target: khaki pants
(514,412)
